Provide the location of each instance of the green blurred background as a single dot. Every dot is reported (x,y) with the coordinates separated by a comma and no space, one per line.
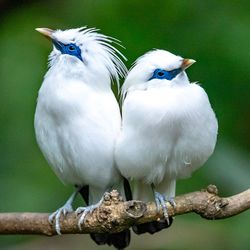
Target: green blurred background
(214,33)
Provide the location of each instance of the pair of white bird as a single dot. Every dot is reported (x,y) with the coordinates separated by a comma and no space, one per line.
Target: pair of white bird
(168,127)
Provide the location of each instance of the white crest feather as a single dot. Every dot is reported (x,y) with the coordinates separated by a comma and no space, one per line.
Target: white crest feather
(111,56)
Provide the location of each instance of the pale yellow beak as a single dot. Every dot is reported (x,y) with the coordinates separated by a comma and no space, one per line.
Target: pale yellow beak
(187,63)
(46,32)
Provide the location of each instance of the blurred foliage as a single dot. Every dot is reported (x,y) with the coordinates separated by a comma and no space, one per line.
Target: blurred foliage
(215,34)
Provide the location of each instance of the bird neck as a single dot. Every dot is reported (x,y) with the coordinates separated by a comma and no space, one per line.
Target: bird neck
(73,69)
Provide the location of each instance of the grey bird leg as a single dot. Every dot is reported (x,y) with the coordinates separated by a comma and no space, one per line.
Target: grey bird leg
(86,210)
(66,208)
(160,201)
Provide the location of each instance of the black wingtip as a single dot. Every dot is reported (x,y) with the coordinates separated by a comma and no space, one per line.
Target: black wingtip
(118,240)
(127,190)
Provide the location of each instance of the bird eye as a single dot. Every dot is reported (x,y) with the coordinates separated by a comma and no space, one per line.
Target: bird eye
(164,74)
(160,73)
(71,47)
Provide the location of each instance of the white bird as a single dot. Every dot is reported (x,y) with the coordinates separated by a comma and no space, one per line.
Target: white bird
(77,117)
(168,128)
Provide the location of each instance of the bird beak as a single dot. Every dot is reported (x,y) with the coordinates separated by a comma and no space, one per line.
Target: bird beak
(46,32)
(187,63)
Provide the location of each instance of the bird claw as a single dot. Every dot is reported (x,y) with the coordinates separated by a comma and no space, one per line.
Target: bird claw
(85,211)
(160,201)
(67,208)
(172,202)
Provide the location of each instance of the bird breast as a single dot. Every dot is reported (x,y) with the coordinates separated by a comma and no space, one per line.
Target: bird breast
(76,127)
(167,132)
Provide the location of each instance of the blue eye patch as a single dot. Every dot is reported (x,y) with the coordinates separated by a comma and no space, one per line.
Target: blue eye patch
(164,74)
(69,49)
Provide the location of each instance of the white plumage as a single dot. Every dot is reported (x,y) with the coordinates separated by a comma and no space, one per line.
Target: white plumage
(77,116)
(168,126)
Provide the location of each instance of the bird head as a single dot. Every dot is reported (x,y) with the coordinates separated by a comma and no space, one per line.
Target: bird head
(155,68)
(86,51)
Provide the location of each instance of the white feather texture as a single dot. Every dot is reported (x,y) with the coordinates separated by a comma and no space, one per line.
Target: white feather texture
(168,130)
(77,117)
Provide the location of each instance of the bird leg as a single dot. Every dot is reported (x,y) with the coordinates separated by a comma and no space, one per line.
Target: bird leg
(86,210)
(160,201)
(66,208)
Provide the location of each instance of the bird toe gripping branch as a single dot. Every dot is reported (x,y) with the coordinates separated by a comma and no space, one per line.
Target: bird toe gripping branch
(115,215)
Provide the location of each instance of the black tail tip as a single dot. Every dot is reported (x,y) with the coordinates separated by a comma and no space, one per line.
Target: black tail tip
(152,227)
(118,240)
(100,239)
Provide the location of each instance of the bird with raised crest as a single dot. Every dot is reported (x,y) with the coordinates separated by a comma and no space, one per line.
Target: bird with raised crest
(168,130)
(77,119)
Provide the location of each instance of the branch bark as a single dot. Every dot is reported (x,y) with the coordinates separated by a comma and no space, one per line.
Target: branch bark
(115,215)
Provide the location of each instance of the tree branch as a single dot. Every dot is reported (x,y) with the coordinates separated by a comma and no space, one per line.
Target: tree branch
(115,215)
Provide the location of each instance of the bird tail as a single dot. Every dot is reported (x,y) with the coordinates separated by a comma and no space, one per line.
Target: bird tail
(143,192)
(119,240)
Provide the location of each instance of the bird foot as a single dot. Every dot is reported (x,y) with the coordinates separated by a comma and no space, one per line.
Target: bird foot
(86,210)
(67,208)
(172,202)
(160,201)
